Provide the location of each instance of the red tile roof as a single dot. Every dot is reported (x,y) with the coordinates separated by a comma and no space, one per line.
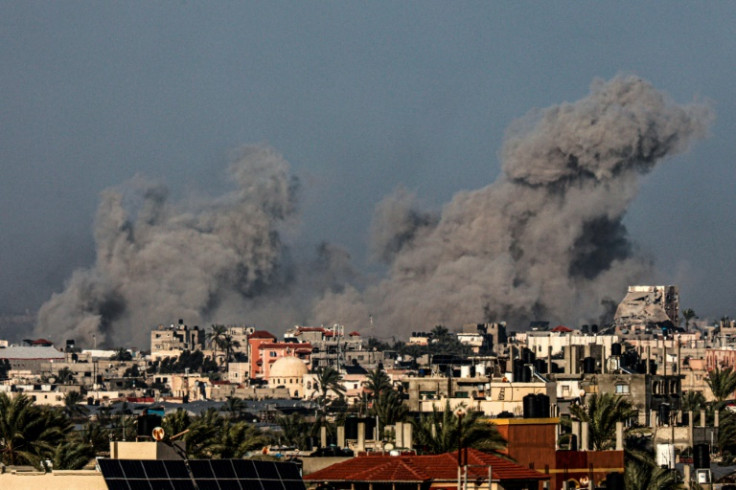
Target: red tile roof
(261,334)
(412,468)
(562,328)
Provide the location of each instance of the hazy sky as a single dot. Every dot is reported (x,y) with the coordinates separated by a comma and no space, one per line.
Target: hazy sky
(358,97)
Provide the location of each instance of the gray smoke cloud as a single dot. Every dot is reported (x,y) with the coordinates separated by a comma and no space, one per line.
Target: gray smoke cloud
(158,260)
(546,240)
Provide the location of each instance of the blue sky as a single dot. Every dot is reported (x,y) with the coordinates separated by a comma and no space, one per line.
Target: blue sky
(358,96)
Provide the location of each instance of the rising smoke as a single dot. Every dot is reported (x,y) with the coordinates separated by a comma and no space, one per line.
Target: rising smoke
(545,241)
(157,260)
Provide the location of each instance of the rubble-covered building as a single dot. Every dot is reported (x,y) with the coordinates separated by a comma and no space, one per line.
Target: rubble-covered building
(645,308)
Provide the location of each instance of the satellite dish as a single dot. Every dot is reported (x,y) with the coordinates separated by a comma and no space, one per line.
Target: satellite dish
(389,446)
(158,433)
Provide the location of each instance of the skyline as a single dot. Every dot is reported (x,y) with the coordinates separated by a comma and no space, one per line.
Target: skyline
(358,100)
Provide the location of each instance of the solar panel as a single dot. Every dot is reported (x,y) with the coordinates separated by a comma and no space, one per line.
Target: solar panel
(200,474)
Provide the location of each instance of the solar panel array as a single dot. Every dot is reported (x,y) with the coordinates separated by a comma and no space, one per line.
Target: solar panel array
(202,474)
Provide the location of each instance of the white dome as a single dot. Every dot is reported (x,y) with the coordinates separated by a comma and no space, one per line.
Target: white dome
(288,367)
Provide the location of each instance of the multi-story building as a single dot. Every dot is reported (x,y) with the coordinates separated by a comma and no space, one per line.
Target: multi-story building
(172,340)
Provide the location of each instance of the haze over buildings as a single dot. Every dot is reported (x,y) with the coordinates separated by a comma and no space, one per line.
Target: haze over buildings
(151,104)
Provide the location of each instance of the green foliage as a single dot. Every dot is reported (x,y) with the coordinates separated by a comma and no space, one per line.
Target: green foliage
(693,401)
(28,433)
(211,436)
(438,432)
(295,430)
(121,354)
(195,361)
(72,455)
(378,381)
(644,474)
(65,376)
(722,383)
(175,423)
(73,405)
(601,412)
(389,408)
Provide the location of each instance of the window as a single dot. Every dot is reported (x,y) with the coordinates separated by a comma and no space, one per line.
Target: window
(622,389)
(272,353)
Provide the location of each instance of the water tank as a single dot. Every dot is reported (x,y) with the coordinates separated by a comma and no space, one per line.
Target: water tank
(542,405)
(701,456)
(616,349)
(518,370)
(527,356)
(589,365)
(526,374)
(615,481)
(464,371)
(146,424)
(540,366)
(530,406)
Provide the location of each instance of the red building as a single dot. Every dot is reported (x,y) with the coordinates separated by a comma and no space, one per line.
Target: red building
(254,354)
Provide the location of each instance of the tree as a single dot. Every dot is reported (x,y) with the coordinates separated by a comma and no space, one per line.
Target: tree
(212,436)
(437,432)
(234,406)
(646,475)
(227,342)
(29,434)
(73,405)
(295,430)
(121,354)
(722,383)
(601,412)
(688,315)
(329,379)
(65,376)
(72,455)
(389,408)
(693,401)
(378,381)
(176,423)
(215,336)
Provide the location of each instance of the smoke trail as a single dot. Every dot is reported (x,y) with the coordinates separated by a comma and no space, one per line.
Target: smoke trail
(157,260)
(546,240)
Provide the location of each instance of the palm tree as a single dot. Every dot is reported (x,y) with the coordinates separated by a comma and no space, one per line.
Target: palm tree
(96,436)
(227,342)
(688,315)
(378,381)
(216,334)
(176,423)
(646,475)
(601,412)
(693,401)
(437,432)
(294,430)
(440,333)
(389,408)
(722,383)
(73,405)
(328,379)
(72,455)
(29,434)
(65,376)
(234,406)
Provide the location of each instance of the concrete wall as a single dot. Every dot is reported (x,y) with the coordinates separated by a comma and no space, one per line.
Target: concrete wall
(57,480)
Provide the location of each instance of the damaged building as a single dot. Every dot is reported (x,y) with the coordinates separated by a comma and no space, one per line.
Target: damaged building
(647,308)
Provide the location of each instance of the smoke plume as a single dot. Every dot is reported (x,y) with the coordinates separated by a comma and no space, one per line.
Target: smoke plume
(546,240)
(158,260)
